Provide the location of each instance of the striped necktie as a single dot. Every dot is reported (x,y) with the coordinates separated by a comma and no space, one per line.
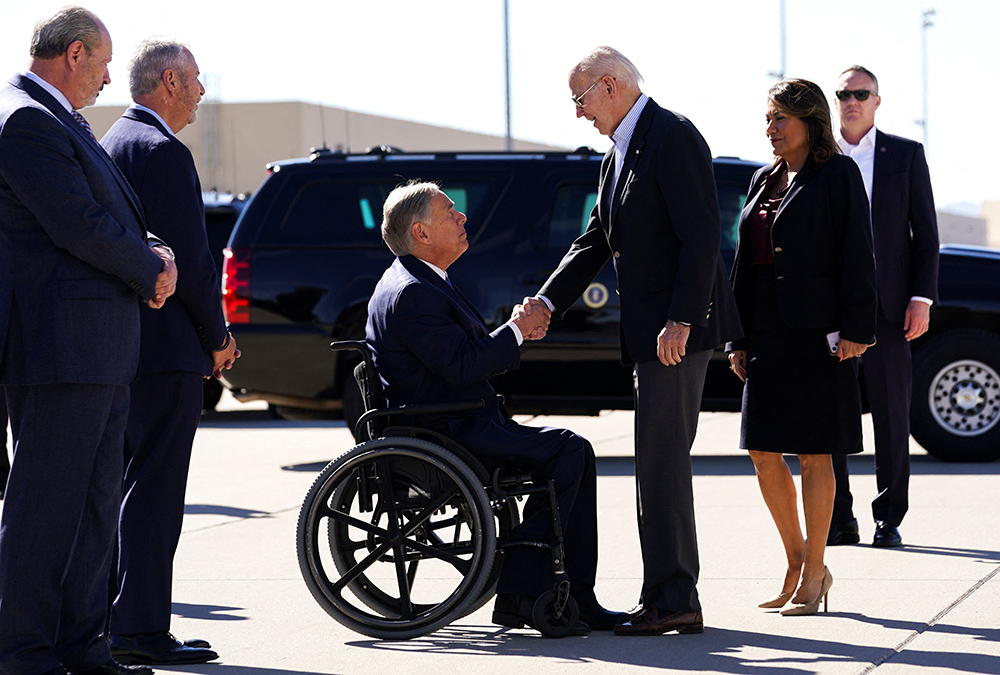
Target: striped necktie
(83,123)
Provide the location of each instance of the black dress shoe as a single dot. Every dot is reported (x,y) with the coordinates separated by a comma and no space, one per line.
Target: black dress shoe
(844,533)
(158,648)
(514,611)
(651,622)
(195,642)
(598,618)
(115,668)
(886,535)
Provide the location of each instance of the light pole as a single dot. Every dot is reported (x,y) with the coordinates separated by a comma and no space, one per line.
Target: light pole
(925,23)
(780,74)
(509,142)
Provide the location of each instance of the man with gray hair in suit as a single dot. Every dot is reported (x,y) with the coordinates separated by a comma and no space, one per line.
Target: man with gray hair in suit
(69,329)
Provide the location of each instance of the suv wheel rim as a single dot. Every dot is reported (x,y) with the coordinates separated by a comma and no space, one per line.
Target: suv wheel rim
(964,398)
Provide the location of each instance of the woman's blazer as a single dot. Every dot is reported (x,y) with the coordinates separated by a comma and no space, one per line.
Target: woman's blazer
(824,262)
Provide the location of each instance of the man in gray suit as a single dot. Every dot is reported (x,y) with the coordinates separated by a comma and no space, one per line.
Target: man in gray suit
(77,264)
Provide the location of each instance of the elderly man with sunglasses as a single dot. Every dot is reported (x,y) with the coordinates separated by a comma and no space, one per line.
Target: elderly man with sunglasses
(904,228)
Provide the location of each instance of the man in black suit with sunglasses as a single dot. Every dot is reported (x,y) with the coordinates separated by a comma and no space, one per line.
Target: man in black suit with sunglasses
(904,228)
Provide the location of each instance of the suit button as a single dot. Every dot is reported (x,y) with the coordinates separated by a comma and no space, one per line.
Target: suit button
(617,255)
(777,249)
(781,278)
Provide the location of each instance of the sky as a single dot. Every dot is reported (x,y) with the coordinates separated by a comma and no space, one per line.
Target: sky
(442,62)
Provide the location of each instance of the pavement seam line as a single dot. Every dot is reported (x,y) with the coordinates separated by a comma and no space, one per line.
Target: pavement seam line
(940,615)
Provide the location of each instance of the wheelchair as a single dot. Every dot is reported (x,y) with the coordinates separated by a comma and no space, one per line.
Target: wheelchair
(404,533)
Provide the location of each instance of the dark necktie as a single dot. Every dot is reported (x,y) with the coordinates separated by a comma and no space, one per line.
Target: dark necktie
(83,123)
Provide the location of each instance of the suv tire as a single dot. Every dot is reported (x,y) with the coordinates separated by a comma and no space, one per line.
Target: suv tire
(955,413)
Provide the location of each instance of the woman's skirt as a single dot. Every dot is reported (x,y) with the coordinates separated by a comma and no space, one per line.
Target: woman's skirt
(797,398)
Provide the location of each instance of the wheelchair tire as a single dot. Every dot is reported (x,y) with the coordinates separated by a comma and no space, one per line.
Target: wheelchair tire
(378,516)
(544,618)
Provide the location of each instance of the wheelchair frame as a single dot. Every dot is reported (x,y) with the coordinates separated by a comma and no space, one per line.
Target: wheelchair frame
(407,498)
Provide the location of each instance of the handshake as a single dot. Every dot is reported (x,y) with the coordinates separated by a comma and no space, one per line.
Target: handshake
(532,318)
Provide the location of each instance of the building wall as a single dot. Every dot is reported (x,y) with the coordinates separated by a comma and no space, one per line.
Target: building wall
(233,142)
(958,229)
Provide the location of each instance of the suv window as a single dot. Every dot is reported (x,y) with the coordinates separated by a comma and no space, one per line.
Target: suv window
(572,204)
(571,209)
(349,213)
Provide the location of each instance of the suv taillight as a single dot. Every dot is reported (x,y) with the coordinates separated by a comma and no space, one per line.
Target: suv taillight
(236,285)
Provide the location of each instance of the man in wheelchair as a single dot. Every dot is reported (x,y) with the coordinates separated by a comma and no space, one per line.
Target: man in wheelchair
(430,345)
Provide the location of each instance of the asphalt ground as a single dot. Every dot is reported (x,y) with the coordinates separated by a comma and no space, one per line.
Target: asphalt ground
(932,606)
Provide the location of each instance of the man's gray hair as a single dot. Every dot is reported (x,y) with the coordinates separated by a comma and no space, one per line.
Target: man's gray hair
(152,57)
(53,35)
(407,204)
(609,61)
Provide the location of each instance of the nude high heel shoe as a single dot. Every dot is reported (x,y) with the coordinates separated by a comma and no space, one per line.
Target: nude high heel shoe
(777,601)
(813,607)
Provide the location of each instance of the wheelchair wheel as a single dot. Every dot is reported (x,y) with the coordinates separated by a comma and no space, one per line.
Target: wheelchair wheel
(543,615)
(396,538)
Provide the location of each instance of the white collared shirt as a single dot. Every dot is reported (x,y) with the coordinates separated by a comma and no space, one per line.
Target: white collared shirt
(139,106)
(863,155)
(56,94)
(444,276)
(622,136)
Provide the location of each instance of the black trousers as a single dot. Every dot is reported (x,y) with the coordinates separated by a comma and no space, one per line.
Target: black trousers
(667,404)
(4,462)
(58,525)
(888,378)
(164,414)
(547,453)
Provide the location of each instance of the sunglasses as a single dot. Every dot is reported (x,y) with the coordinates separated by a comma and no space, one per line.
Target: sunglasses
(578,100)
(859,94)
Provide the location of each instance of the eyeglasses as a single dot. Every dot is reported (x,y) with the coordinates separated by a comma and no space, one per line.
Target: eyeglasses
(578,100)
(859,94)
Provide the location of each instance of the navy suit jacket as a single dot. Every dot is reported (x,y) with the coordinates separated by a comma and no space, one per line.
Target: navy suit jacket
(822,245)
(663,233)
(431,346)
(75,257)
(180,335)
(904,224)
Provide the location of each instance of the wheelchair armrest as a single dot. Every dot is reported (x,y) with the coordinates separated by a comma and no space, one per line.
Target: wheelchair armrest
(421,409)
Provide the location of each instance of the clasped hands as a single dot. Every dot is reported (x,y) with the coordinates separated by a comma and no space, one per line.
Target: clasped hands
(532,318)
(166,280)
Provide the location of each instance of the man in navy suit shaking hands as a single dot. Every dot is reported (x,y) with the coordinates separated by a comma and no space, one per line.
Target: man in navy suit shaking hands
(431,345)
(76,264)
(182,343)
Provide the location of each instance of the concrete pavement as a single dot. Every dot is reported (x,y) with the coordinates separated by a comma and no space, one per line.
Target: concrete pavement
(930,607)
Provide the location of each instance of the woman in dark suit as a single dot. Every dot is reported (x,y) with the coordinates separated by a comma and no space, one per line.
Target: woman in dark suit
(804,271)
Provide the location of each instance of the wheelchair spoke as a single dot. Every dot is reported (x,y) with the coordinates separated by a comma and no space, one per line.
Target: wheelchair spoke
(459,564)
(403,580)
(357,570)
(347,519)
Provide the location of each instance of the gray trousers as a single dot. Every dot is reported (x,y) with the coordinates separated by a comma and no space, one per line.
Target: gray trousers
(667,403)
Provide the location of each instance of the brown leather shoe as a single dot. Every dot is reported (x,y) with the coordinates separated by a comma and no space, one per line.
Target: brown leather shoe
(650,623)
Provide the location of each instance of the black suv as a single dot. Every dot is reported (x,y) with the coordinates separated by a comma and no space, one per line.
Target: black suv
(222,209)
(307,252)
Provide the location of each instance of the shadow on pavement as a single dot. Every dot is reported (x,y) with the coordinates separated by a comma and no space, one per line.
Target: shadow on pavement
(741,465)
(717,650)
(218,510)
(206,612)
